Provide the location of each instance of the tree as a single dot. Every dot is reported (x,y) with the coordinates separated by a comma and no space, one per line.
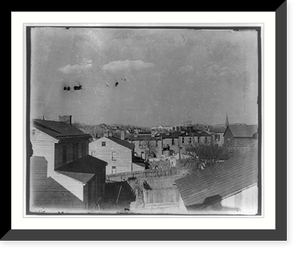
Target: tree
(149,146)
(201,156)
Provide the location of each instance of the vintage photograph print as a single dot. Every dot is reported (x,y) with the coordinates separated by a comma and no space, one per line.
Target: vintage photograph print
(143,120)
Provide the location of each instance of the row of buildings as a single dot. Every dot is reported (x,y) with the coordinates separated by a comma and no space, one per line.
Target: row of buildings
(67,162)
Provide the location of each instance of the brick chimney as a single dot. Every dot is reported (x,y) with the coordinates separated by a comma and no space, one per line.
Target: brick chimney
(66,119)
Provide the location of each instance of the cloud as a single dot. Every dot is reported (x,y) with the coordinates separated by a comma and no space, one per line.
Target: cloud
(126,65)
(76,67)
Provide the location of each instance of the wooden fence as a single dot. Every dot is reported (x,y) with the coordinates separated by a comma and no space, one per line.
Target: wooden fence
(146,174)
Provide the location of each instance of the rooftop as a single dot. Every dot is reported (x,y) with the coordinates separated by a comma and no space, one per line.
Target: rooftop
(222,179)
(122,142)
(59,130)
(146,137)
(242,130)
(118,141)
(83,169)
(46,192)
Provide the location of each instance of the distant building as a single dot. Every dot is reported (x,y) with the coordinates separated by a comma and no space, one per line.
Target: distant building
(118,153)
(217,134)
(147,146)
(161,129)
(171,140)
(241,136)
(231,188)
(65,150)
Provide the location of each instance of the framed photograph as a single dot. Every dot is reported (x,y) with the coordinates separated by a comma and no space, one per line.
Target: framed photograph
(151,131)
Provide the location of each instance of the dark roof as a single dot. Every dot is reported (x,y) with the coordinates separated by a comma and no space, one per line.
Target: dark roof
(45,192)
(144,132)
(222,179)
(242,130)
(174,134)
(59,130)
(122,142)
(83,169)
(144,138)
(196,134)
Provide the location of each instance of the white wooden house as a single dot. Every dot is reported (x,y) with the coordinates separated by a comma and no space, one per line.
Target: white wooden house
(118,154)
(65,150)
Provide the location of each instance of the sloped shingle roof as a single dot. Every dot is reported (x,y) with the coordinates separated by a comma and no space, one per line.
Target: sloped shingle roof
(59,130)
(46,192)
(223,179)
(242,130)
(83,169)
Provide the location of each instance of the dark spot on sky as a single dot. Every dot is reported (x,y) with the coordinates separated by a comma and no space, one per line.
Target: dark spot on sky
(117,83)
(79,87)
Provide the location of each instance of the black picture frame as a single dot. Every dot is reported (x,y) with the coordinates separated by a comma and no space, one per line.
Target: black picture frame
(277,234)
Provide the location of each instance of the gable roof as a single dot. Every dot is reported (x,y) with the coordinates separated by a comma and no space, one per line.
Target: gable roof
(83,169)
(222,179)
(45,192)
(242,130)
(119,141)
(59,130)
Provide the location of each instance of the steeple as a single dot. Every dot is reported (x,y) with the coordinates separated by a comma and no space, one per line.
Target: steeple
(227,121)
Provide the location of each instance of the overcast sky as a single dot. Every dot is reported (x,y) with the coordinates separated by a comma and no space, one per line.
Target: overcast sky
(144,77)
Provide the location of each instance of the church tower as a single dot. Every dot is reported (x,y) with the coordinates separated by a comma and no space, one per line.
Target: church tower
(227,121)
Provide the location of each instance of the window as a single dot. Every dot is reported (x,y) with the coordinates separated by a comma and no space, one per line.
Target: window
(182,140)
(173,141)
(217,137)
(206,140)
(113,156)
(198,139)
(113,169)
(103,143)
(64,154)
(75,151)
(190,140)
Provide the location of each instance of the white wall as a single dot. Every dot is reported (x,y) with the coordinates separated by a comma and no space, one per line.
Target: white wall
(72,185)
(43,145)
(123,155)
(245,201)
